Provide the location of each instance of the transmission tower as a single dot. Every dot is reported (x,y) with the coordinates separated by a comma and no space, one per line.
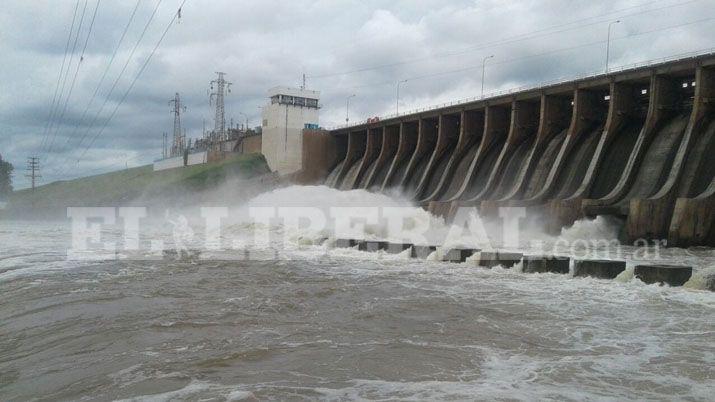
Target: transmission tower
(33,170)
(177,147)
(218,96)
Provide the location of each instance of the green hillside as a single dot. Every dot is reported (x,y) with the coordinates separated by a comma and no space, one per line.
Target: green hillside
(124,186)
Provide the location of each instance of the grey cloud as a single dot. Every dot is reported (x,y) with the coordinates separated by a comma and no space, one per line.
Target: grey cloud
(265,43)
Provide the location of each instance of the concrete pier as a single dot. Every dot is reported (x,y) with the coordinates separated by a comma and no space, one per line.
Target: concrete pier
(458,254)
(345,243)
(602,269)
(372,245)
(710,283)
(491,259)
(663,274)
(541,264)
(397,248)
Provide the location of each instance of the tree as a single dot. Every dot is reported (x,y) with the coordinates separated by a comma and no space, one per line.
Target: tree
(6,169)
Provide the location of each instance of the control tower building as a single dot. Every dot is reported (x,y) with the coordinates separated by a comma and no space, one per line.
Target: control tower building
(289,112)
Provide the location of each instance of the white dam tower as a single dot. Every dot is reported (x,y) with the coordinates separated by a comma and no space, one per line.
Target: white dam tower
(289,112)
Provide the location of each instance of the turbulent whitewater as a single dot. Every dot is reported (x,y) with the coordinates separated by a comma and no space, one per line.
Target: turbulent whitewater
(340,324)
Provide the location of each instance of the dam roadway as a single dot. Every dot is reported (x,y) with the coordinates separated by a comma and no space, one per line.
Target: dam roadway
(637,144)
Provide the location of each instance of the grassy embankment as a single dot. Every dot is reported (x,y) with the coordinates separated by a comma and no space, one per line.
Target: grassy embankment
(124,186)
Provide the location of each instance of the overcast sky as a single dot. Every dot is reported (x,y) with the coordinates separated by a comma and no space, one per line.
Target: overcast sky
(344,47)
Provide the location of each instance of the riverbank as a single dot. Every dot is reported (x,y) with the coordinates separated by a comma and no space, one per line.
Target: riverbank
(230,179)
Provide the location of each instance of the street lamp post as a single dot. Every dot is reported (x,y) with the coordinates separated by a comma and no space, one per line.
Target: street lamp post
(347,108)
(484,68)
(397,103)
(608,42)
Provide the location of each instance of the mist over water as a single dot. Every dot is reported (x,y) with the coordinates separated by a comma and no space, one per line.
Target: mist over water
(340,324)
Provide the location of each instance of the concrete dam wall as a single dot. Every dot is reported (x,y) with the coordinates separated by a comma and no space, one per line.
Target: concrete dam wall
(638,144)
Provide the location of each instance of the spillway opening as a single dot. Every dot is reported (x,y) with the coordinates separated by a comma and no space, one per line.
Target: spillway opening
(686,92)
(588,121)
(496,129)
(341,149)
(409,133)
(388,151)
(372,151)
(426,143)
(450,127)
(472,127)
(357,143)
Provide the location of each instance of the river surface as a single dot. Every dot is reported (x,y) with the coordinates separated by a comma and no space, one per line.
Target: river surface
(339,324)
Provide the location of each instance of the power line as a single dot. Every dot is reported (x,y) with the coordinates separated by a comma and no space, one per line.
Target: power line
(568,48)
(121,73)
(74,79)
(106,70)
(504,41)
(124,162)
(141,70)
(66,74)
(507,61)
(119,77)
(59,78)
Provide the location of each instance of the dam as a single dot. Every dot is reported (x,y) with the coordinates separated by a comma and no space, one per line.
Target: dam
(638,144)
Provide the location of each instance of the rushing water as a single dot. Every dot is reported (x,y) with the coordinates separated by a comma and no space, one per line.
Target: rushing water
(340,324)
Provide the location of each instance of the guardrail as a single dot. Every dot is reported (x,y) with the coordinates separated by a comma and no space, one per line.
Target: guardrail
(558,81)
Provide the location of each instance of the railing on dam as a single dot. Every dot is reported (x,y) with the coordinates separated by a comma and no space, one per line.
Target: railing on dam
(554,82)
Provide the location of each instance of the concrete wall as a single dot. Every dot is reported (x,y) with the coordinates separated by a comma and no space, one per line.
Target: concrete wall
(169,163)
(250,145)
(197,158)
(321,154)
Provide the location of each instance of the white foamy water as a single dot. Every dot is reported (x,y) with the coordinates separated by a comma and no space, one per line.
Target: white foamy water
(341,324)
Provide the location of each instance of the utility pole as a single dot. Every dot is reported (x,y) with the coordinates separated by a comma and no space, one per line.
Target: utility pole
(484,69)
(33,169)
(608,42)
(164,140)
(178,146)
(222,86)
